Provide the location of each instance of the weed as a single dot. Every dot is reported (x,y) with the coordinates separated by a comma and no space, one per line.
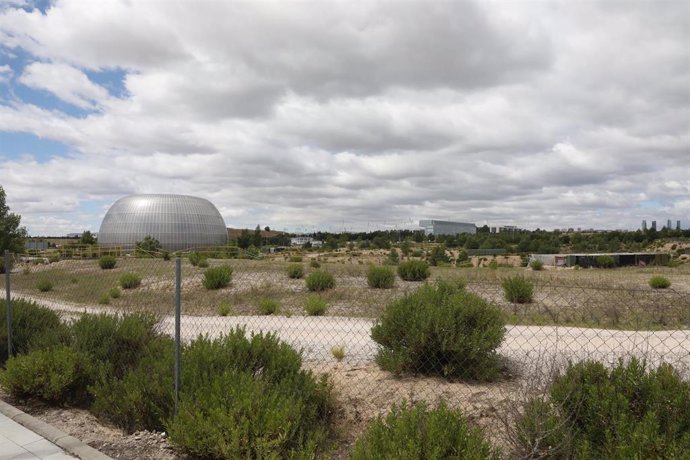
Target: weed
(380,277)
(518,289)
(107,262)
(659,282)
(130,280)
(320,281)
(224,309)
(295,271)
(338,353)
(44,285)
(268,306)
(315,305)
(414,270)
(217,277)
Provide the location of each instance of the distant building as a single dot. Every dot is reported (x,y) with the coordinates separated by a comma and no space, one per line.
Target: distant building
(668,224)
(39,245)
(302,240)
(73,235)
(653,225)
(644,225)
(444,227)
(677,225)
(621,259)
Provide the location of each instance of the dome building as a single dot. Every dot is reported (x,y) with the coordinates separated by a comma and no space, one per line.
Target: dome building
(179,222)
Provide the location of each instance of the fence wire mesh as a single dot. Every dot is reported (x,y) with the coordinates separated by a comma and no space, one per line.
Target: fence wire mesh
(572,315)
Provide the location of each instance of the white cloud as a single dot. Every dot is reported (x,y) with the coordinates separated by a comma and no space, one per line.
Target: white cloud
(65,82)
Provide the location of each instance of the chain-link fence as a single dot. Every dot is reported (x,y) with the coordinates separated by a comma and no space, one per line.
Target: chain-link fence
(568,315)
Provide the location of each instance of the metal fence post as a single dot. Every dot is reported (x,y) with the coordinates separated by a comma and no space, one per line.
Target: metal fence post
(178,282)
(7,303)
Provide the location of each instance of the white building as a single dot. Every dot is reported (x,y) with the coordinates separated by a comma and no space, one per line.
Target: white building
(444,227)
(302,240)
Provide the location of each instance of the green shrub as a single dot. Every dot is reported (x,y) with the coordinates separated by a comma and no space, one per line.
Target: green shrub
(248,397)
(315,305)
(107,262)
(536,265)
(143,397)
(629,411)
(295,259)
(130,280)
(605,261)
(104,299)
(195,258)
(314,264)
(44,285)
(440,330)
(320,281)
(493,265)
(518,289)
(115,293)
(268,306)
(295,271)
(659,282)
(166,255)
(419,433)
(33,327)
(414,270)
(380,277)
(224,309)
(203,263)
(217,277)
(59,375)
(116,341)
(53,258)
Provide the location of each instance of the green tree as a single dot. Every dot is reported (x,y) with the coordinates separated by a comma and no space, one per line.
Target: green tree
(11,234)
(244,240)
(256,237)
(88,238)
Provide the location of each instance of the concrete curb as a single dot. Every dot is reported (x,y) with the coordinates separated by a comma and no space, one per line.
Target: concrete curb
(68,443)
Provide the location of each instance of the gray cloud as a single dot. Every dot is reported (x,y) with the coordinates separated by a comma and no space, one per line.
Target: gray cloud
(541,114)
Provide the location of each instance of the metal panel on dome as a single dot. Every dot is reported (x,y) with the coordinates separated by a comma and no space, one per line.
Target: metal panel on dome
(179,222)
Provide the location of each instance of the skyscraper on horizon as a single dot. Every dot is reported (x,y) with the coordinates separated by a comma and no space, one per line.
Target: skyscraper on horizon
(644,225)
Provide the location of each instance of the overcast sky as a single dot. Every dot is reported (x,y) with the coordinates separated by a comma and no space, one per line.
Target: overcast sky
(352,114)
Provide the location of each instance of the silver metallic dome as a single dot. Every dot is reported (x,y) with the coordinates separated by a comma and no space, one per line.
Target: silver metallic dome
(178,221)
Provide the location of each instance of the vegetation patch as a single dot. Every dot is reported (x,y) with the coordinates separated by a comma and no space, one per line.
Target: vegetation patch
(44,285)
(414,270)
(315,305)
(268,306)
(629,411)
(380,277)
(130,280)
(536,265)
(248,397)
(217,277)
(518,289)
(107,262)
(58,375)
(416,432)
(659,282)
(320,280)
(443,330)
(295,271)
(33,327)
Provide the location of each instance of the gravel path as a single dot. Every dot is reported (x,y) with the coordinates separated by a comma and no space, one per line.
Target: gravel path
(528,347)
